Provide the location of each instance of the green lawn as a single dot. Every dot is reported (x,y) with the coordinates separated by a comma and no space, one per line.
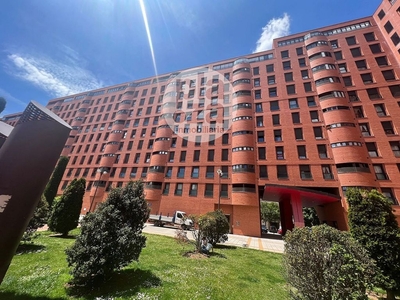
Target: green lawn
(40,272)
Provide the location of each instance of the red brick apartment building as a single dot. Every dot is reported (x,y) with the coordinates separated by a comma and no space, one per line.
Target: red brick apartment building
(298,124)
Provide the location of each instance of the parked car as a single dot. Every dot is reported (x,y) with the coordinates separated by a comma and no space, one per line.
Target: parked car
(264,229)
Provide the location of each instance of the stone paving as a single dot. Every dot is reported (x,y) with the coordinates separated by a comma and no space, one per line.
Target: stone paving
(264,244)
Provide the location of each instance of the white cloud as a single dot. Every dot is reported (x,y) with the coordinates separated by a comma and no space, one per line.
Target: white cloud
(55,77)
(274,29)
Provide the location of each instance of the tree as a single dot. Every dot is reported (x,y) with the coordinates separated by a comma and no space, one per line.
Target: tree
(323,263)
(111,237)
(215,226)
(270,212)
(65,213)
(52,186)
(38,220)
(310,216)
(374,225)
(3,103)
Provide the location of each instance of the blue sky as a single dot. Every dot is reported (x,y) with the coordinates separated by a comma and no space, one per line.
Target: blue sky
(52,48)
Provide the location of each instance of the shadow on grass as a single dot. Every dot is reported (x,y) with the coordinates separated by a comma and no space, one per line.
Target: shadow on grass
(13,296)
(216,254)
(28,248)
(228,247)
(60,236)
(126,283)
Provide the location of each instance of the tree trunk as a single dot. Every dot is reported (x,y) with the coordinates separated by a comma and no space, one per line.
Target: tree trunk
(390,295)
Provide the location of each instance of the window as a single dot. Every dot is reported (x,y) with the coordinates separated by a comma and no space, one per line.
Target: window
(307,87)
(359,112)
(256,71)
(356,52)
(338,55)
(314,116)
(372,150)
(195,172)
(259,107)
(374,93)
(361,64)
(327,172)
(364,127)
(389,194)
(171,156)
(285,54)
(193,189)
(302,62)
(278,135)
(342,68)
(166,188)
(301,152)
(388,127)
(322,151)
(298,133)
(286,65)
(375,48)
(196,155)
(181,172)
(347,81)
(380,172)
(281,172)
(381,14)
(262,153)
(178,189)
(209,190)
(272,92)
(279,152)
(351,40)
(257,94)
(274,105)
(296,118)
(305,172)
(395,146)
(224,154)
(381,61)
(311,101)
(271,80)
(334,44)
(182,157)
(395,39)
(318,133)
(304,74)
(367,78)
(168,173)
(299,51)
(380,109)
(275,120)
(291,89)
(395,90)
(260,136)
(198,140)
(388,75)
(256,82)
(388,27)
(369,37)
(225,139)
(260,121)
(288,77)
(263,171)
(210,155)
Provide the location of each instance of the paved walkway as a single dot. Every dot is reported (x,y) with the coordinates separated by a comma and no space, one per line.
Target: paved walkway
(264,244)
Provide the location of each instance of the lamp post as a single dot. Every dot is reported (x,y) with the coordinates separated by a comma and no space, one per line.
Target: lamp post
(102,172)
(220,174)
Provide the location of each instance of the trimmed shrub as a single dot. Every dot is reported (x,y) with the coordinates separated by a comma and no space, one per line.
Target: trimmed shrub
(374,225)
(111,237)
(323,263)
(38,220)
(51,188)
(65,213)
(215,226)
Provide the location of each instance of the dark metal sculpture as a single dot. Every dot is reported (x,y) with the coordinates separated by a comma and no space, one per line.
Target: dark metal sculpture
(27,159)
